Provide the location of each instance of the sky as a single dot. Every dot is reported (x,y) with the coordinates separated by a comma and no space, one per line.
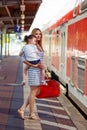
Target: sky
(50,10)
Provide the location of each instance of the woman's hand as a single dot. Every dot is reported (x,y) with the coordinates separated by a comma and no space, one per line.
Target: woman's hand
(39,65)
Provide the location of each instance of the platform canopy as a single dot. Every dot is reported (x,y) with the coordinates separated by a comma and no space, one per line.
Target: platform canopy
(18,13)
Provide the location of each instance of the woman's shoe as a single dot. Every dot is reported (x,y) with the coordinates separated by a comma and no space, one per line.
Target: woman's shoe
(34,117)
(21,113)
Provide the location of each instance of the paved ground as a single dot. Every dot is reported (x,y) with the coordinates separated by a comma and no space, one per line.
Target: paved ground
(55,113)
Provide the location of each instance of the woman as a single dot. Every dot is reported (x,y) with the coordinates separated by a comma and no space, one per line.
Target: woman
(34,79)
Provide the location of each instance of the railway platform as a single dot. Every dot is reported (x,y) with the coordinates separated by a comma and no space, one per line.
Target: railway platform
(55,113)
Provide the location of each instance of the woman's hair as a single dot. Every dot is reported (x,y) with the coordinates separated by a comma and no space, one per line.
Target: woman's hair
(35,30)
(34,33)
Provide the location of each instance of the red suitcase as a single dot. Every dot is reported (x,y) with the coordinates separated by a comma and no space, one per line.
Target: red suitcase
(52,89)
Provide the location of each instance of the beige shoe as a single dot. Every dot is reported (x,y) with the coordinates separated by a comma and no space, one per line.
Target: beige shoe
(21,114)
(34,117)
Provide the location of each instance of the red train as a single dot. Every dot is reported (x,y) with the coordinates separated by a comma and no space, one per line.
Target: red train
(65,42)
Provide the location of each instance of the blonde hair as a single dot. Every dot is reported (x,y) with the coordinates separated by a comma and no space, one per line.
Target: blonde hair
(34,33)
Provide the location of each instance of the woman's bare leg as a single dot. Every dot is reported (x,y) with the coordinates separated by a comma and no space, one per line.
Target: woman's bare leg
(34,92)
(22,108)
(25,104)
(30,101)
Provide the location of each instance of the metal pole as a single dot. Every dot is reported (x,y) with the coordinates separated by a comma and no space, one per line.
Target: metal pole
(1,47)
(5,44)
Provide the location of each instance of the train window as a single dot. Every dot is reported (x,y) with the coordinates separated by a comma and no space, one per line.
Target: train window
(81,74)
(72,71)
(58,33)
(83,6)
(75,12)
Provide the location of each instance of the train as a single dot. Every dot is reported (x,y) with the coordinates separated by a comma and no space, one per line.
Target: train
(65,45)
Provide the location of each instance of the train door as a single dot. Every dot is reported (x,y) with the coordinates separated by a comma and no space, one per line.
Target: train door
(63,53)
(47,47)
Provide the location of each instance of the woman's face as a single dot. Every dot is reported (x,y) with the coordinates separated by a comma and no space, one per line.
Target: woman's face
(38,35)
